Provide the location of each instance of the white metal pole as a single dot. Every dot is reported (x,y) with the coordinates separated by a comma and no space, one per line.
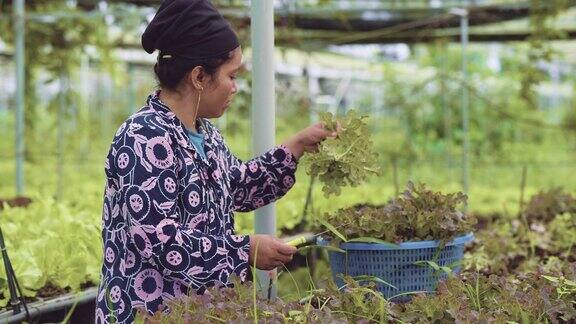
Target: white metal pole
(64,89)
(263,107)
(313,91)
(465,104)
(19,33)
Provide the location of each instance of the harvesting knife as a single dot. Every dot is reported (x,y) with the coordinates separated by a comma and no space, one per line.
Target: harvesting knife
(307,239)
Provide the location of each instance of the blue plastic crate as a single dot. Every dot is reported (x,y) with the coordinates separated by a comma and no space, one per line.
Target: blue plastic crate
(396,265)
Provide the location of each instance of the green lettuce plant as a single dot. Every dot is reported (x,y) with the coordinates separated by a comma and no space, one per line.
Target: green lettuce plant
(346,160)
(53,247)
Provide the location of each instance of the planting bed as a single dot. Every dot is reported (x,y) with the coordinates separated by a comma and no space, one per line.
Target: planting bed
(520,268)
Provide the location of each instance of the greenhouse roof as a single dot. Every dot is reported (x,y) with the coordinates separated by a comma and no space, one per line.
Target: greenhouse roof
(365,18)
(300,24)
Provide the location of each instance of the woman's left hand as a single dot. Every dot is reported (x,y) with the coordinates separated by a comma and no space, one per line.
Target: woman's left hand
(307,140)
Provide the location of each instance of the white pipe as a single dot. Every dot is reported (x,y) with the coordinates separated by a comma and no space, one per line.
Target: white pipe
(19,33)
(263,107)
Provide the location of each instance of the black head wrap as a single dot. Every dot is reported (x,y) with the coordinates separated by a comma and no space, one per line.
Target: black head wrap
(191,29)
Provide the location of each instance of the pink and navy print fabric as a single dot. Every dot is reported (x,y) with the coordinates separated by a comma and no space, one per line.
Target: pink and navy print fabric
(168,215)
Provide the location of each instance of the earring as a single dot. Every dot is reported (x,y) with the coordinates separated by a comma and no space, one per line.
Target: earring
(197,107)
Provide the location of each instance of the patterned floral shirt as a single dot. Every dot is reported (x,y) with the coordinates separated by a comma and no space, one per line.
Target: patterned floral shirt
(168,215)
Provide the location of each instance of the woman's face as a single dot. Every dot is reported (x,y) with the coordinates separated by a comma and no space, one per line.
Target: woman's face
(219,91)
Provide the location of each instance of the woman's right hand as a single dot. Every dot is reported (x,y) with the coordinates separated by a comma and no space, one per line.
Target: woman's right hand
(269,252)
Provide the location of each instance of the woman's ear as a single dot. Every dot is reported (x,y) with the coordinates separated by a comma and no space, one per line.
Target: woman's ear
(197,78)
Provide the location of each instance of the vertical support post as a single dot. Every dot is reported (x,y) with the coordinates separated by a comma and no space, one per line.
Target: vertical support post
(263,108)
(465,104)
(84,87)
(132,90)
(62,107)
(378,104)
(555,77)
(313,91)
(100,101)
(82,102)
(19,32)
(446,113)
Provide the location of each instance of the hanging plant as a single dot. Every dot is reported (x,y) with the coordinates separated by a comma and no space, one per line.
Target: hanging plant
(542,14)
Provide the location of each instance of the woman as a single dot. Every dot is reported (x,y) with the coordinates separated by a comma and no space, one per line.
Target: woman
(173,185)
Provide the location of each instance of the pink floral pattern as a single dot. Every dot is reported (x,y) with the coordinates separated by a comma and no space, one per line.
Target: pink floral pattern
(168,215)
